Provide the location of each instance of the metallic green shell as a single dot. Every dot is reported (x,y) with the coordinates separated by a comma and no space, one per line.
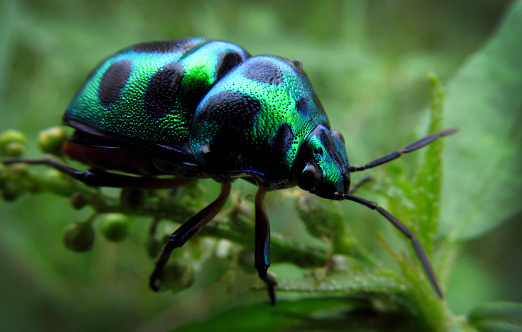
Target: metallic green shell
(229,115)
(150,91)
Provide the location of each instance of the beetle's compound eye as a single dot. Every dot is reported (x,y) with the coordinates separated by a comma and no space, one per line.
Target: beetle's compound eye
(338,135)
(310,178)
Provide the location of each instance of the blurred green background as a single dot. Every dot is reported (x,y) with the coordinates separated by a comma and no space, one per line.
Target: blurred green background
(368,62)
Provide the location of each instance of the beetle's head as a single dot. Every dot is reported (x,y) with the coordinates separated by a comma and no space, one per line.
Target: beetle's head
(322,164)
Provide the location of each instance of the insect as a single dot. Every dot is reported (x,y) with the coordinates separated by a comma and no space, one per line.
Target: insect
(196,108)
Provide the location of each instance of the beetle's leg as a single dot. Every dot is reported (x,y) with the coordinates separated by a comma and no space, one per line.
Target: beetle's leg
(262,245)
(408,148)
(187,230)
(421,255)
(105,179)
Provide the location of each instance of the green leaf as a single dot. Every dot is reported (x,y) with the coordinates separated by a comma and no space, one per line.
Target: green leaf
(427,192)
(261,317)
(497,317)
(309,313)
(481,182)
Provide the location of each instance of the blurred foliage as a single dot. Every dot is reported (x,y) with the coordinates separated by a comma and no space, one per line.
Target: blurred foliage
(368,62)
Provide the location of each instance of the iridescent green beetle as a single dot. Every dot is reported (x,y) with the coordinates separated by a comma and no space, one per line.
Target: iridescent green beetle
(195,108)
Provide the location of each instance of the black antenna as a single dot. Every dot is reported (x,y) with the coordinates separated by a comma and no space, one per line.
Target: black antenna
(421,255)
(408,148)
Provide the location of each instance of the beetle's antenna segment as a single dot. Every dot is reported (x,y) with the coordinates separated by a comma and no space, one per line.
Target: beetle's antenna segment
(408,148)
(421,255)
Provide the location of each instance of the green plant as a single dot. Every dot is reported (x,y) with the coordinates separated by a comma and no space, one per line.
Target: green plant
(336,278)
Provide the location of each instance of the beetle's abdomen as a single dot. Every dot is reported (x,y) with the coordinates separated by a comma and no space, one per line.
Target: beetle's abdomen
(150,91)
(253,121)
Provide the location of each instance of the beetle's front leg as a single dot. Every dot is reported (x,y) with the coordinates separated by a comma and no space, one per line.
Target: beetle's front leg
(187,230)
(262,251)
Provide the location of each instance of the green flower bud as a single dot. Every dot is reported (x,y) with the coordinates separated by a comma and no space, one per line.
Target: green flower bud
(78,200)
(153,246)
(177,275)
(79,236)
(51,140)
(14,149)
(114,226)
(12,143)
(11,191)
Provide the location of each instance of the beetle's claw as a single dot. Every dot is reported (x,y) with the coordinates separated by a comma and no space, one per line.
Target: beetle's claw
(152,282)
(270,284)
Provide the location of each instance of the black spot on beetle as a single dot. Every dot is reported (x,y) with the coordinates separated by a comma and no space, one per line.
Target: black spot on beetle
(163,89)
(323,136)
(282,141)
(226,62)
(264,71)
(232,108)
(166,46)
(301,105)
(113,80)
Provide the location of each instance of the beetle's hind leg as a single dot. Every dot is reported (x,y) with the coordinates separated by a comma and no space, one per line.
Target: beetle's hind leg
(99,178)
(262,246)
(187,230)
